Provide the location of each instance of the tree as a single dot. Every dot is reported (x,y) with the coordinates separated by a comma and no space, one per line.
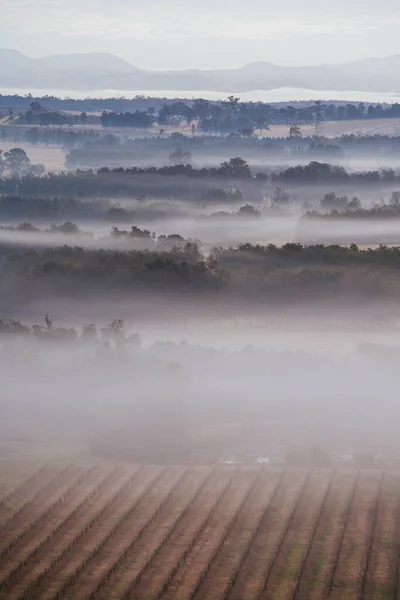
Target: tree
(319,115)
(176,135)
(295,132)
(164,115)
(333,202)
(17,162)
(361,110)
(36,107)
(201,108)
(105,119)
(66,227)
(355,203)
(29,117)
(352,112)
(211,263)
(2,163)
(248,211)
(83,118)
(115,331)
(232,104)
(49,323)
(236,167)
(138,119)
(246,129)
(53,118)
(395,198)
(180,157)
(37,169)
(261,123)
(191,249)
(280,198)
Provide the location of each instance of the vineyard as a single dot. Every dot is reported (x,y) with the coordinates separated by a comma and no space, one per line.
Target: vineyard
(197,533)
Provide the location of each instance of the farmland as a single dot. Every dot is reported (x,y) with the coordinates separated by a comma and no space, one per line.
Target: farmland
(102,532)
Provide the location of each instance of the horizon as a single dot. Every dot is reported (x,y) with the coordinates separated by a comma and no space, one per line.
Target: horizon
(216,68)
(278,95)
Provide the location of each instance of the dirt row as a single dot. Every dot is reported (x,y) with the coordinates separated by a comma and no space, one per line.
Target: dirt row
(195,533)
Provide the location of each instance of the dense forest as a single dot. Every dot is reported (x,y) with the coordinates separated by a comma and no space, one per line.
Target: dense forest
(266,277)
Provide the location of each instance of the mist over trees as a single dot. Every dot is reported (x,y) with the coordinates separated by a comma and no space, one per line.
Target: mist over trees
(246,245)
(16,163)
(266,277)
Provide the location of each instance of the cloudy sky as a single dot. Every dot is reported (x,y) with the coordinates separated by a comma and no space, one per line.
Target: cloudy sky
(161,34)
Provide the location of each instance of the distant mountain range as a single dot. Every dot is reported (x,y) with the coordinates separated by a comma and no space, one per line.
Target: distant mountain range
(98,71)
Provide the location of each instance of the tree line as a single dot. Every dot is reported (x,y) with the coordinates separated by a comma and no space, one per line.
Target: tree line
(233,169)
(333,206)
(245,118)
(134,237)
(113,333)
(265,275)
(225,115)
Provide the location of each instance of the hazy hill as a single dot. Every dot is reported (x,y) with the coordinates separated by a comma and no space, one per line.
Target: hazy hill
(101,70)
(101,63)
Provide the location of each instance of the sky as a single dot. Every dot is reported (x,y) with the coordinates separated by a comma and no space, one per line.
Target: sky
(180,34)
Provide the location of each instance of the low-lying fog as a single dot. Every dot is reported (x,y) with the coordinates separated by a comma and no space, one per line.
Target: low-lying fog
(167,388)
(201,394)
(220,231)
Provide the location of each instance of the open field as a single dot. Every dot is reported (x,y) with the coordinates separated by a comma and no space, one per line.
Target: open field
(333,129)
(195,533)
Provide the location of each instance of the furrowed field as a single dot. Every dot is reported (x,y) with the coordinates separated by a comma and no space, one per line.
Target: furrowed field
(198,533)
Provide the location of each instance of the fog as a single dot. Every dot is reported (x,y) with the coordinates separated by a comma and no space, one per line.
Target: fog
(174,314)
(216,231)
(222,394)
(261,158)
(208,379)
